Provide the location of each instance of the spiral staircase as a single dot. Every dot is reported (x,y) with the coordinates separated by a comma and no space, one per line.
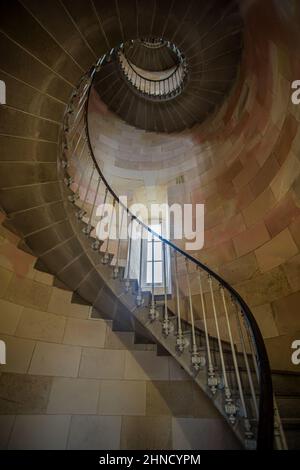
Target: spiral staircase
(57,218)
(228,362)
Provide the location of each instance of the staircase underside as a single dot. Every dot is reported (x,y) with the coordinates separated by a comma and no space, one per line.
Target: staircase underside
(212,49)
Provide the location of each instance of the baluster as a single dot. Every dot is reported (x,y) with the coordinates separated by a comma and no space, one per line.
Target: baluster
(87,230)
(198,361)
(80,114)
(248,432)
(74,197)
(249,374)
(83,94)
(181,341)
(97,243)
(105,258)
(84,91)
(75,126)
(83,149)
(230,408)
(251,346)
(79,140)
(167,326)
(212,380)
(116,268)
(68,180)
(153,313)
(127,282)
(139,297)
(81,213)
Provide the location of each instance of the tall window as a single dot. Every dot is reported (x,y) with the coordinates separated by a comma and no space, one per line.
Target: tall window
(155,253)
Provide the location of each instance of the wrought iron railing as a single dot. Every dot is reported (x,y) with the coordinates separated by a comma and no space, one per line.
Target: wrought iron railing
(166,86)
(153,43)
(203,320)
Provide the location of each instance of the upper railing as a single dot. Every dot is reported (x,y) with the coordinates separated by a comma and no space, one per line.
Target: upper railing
(208,319)
(153,43)
(155,85)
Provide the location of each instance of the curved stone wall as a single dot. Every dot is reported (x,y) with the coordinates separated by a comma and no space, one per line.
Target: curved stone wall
(251,189)
(247,170)
(244,165)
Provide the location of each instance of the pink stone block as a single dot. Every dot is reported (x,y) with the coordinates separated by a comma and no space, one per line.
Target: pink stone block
(251,239)
(264,176)
(277,251)
(282,215)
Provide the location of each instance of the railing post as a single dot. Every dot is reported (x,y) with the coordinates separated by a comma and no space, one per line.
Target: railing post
(139,297)
(105,258)
(181,341)
(248,432)
(88,228)
(97,243)
(249,374)
(198,361)
(116,268)
(167,326)
(153,313)
(230,408)
(127,281)
(76,195)
(81,213)
(212,380)
(78,141)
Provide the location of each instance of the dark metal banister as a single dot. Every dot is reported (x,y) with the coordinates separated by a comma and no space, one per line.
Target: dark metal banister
(265,434)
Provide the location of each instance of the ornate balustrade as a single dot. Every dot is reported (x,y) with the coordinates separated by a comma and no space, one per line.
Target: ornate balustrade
(197,315)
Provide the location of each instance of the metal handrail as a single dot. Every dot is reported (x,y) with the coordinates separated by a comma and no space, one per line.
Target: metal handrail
(266,412)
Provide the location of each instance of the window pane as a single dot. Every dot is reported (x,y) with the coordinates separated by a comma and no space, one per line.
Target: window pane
(157,229)
(158,274)
(157,251)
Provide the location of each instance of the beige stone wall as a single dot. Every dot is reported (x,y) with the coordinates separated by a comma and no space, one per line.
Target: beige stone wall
(244,165)
(71,382)
(251,192)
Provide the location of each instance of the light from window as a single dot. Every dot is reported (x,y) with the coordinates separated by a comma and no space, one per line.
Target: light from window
(154,245)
